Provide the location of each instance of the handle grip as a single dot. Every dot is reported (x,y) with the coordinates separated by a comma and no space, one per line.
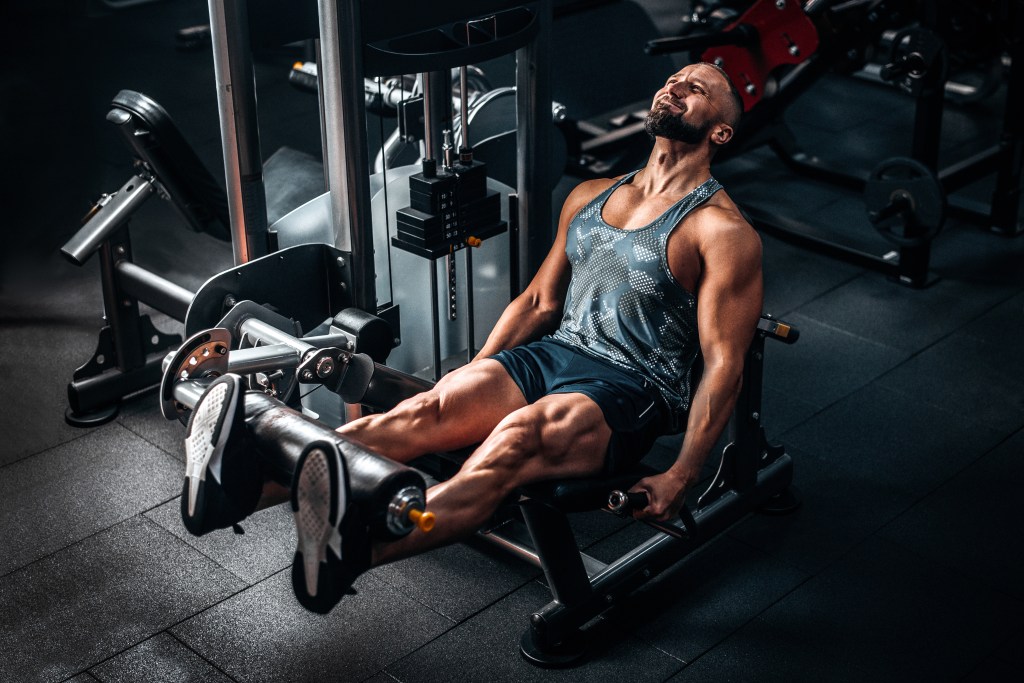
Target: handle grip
(622,502)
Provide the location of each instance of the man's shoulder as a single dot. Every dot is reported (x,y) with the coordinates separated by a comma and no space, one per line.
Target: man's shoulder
(722,224)
(588,189)
(720,217)
(583,194)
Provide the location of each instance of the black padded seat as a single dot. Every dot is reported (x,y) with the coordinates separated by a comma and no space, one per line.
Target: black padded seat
(156,140)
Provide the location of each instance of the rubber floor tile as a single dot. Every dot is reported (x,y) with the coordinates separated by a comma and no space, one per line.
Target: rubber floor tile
(459,580)
(881,614)
(794,276)
(826,363)
(266,547)
(880,435)
(829,104)
(161,659)
(834,516)
(141,414)
(263,634)
(1003,324)
(693,606)
(100,596)
(970,523)
(961,374)
(909,319)
(82,678)
(486,648)
(35,421)
(61,496)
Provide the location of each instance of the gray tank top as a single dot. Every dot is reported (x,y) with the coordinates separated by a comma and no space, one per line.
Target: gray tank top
(623,304)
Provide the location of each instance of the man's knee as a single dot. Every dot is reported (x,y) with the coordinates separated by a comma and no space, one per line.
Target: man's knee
(413,417)
(517,441)
(421,411)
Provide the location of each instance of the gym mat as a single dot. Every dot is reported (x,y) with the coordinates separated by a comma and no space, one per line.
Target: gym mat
(264,634)
(90,484)
(689,609)
(486,648)
(98,597)
(968,524)
(861,619)
(161,658)
(266,547)
(826,363)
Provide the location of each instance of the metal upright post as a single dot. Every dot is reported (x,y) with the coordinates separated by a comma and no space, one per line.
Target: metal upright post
(437,89)
(348,168)
(239,128)
(1005,216)
(533,120)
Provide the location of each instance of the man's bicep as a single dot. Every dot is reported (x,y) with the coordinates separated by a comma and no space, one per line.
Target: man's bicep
(731,297)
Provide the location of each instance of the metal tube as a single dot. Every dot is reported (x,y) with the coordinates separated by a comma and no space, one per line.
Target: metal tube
(323,116)
(268,334)
(189,392)
(428,118)
(435,324)
(348,168)
(113,214)
(263,359)
(437,96)
(470,332)
(239,128)
(533,121)
(148,287)
(464,102)
(517,549)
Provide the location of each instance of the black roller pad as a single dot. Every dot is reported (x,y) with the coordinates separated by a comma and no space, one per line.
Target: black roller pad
(280,434)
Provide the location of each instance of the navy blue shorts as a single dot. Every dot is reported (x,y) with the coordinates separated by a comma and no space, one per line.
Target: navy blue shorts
(631,403)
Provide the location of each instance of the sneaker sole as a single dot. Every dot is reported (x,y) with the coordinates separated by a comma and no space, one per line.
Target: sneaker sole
(319,500)
(204,449)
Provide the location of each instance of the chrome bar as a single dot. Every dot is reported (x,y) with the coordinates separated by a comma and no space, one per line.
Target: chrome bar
(348,167)
(533,123)
(268,334)
(114,210)
(154,290)
(239,128)
(263,359)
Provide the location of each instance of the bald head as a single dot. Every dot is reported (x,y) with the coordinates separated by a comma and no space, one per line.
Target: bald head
(734,110)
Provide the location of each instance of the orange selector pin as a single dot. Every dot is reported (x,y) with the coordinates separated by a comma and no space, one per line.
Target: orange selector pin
(424,521)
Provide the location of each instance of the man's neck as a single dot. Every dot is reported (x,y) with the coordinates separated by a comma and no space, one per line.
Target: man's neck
(674,167)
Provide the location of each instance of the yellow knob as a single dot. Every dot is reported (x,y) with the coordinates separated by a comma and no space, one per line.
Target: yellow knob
(474,241)
(424,521)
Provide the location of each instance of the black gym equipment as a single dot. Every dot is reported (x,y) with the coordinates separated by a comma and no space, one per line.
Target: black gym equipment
(128,354)
(753,473)
(304,322)
(774,50)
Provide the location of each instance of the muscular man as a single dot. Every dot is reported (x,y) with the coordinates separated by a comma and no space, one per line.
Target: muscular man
(581,373)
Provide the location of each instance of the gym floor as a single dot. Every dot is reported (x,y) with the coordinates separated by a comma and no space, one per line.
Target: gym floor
(903,410)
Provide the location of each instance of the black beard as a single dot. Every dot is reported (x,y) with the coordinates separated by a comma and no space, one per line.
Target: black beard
(662,123)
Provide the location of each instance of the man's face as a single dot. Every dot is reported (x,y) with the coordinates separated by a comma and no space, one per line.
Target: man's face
(685,108)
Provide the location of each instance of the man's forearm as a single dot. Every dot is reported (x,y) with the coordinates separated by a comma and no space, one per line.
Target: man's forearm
(710,410)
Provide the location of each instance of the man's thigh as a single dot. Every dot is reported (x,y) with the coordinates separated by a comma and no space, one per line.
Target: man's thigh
(472,400)
(559,435)
(461,410)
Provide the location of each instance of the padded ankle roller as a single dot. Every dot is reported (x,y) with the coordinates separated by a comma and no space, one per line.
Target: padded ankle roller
(280,433)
